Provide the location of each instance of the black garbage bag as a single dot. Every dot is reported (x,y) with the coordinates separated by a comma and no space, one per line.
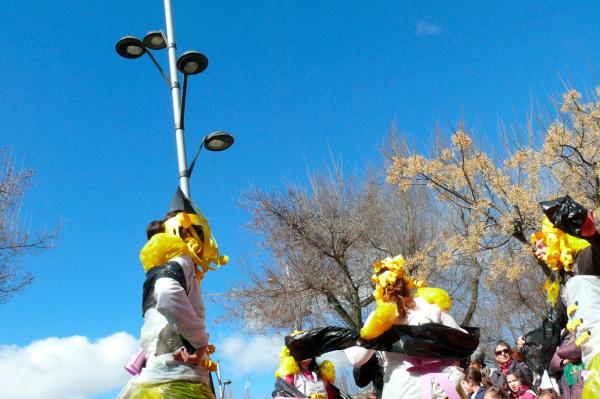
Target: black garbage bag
(315,342)
(286,390)
(431,340)
(565,214)
(427,340)
(541,343)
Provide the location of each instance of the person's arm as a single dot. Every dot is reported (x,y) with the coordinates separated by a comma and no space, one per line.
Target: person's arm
(173,303)
(357,356)
(569,351)
(366,373)
(555,367)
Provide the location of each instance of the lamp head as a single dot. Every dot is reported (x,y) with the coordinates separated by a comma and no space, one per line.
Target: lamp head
(155,40)
(130,47)
(218,141)
(192,63)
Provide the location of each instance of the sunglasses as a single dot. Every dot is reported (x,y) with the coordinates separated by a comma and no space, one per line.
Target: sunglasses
(502,352)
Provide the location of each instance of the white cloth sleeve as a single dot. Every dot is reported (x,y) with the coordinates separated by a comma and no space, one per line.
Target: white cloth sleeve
(357,356)
(449,321)
(173,303)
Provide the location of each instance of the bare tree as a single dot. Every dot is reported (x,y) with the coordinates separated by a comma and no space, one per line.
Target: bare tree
(491,199)
(15,242)
(320,246)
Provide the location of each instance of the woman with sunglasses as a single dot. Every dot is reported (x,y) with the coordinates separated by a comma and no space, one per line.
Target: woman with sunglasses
(506,365)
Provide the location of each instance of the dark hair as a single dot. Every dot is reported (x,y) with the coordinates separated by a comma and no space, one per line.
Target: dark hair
(473,375)
(497,392)
(519,376)
(549,391)
(503,343)
(155,227)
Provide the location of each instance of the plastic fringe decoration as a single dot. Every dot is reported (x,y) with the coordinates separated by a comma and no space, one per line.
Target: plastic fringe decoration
(175,389)
(435,296)
(287,364)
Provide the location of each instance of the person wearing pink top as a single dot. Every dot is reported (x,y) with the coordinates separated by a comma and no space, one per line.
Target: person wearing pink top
(517,387)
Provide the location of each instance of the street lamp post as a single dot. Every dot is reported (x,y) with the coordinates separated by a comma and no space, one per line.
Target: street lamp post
(190,63)
(184,178)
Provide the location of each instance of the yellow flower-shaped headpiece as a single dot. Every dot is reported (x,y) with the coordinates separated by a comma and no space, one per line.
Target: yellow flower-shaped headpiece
(387,273)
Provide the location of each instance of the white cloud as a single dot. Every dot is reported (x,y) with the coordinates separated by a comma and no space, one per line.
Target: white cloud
(424,28)
(65,368)
(253,354)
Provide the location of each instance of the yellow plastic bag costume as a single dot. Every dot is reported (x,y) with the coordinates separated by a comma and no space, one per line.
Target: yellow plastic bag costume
(172,390)
(591,387)
(287,364)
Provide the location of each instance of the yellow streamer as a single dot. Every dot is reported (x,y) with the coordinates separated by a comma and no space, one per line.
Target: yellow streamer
(327,370)
(552,289)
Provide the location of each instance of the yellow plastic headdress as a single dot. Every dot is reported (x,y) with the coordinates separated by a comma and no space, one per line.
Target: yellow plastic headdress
(562,247)
(560,255)
(287,364)
(204,249)
(387,273)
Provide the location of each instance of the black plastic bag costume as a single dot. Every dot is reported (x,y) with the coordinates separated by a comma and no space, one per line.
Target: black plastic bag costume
(426,340)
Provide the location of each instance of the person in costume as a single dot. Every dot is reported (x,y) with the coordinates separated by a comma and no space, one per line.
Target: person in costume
(174,335)
(408,377)
(305,378)
(570,245)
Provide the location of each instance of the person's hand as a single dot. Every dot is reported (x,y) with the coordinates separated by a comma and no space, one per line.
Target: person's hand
(566,361)
(520,342)
(184,356)
(540,249)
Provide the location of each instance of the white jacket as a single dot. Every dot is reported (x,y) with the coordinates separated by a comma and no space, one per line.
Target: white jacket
(184,312)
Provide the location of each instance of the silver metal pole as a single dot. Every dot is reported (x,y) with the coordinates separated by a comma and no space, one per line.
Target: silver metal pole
(221,390)
(184,180)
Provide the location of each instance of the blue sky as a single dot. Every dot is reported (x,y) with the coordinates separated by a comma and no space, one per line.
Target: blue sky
(293,81)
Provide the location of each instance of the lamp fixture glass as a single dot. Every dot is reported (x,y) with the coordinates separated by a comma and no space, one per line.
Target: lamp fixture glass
(218,141)
(130,47)
(155,40)
(192,62)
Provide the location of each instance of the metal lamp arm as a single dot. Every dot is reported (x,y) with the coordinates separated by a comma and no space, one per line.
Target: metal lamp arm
(163,74)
